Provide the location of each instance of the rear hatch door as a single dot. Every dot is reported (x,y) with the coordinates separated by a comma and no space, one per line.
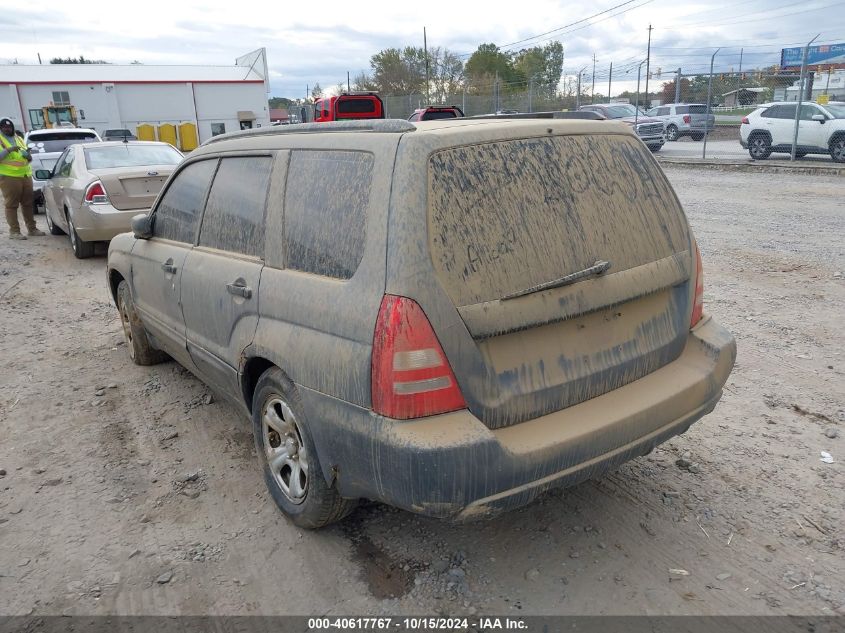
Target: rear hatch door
(568,261)
(699,119)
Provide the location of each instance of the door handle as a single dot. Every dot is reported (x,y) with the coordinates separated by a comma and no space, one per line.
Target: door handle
(168,267)
(239,289)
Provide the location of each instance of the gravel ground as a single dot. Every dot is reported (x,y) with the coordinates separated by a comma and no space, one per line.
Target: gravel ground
(130,490)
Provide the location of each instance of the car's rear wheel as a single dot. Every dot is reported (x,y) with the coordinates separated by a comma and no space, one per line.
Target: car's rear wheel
(51,226)
(800,154)
(140,350)
(759,147)
(81,249)
(837,149)
(286,449)
(672,133)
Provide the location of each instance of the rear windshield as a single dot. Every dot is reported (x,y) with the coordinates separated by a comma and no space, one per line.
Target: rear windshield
(356,106)
(118,133)
(58,141)
(431,115)
(508,216)
(130,156)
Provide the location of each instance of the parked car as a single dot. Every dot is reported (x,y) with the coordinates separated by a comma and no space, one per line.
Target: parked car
(119,135)
(771,128)
(93,191)
(684,119)
(648,129)
(47,145)
(464,315)
(432,112)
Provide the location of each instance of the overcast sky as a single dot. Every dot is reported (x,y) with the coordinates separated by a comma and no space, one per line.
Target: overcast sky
(309,42)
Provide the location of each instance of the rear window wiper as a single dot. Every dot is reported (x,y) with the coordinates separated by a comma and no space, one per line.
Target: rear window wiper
(596,269)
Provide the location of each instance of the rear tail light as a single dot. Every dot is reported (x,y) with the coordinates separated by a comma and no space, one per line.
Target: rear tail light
(687,118)
(96,193)
(698,302)
(745,120)
(411,377)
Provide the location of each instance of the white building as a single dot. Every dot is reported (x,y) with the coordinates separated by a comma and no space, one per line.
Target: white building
(832,84)
(216,99)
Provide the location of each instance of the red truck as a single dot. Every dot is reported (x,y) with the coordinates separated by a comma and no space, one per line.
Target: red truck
(351,105)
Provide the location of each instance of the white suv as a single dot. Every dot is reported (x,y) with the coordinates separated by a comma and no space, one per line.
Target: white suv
(46,147)
(770,128)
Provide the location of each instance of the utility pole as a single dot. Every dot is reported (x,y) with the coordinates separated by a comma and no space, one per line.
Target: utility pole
(39,58)
(741,50)
(593,89)
(647,66)
(427,80)
(348,86)
(578,90)
(678,87)
(637,101)
(609,79)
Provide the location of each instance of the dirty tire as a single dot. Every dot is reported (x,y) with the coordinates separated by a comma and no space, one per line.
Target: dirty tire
(140,350)
(672,133)
(296,480)
(837,149)
(54,230)
(82,250)
(759,147)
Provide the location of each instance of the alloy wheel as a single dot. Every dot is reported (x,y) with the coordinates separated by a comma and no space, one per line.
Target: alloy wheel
(286,453)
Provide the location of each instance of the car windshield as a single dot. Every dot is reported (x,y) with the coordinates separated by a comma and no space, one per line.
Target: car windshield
(622,110)
(130,156)
(837,110)
(58,141)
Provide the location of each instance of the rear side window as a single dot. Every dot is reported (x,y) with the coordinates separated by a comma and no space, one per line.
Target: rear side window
(234,213)
(326,211)
(681,109)
(698,109)
(780,112)
(178,213)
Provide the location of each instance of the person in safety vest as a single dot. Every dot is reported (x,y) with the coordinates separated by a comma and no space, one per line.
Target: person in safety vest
(16,181)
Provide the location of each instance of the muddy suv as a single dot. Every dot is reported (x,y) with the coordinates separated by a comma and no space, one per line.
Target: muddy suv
(464,315)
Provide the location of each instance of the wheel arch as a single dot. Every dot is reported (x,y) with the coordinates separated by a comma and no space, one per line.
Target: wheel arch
(253,368)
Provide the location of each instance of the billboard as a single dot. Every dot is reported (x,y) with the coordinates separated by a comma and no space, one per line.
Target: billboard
(824,54)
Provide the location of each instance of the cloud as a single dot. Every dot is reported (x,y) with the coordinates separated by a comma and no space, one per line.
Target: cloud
(310,43)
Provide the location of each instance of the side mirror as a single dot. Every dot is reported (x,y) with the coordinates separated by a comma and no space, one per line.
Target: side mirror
(820,118)
(43,174)
(142,226)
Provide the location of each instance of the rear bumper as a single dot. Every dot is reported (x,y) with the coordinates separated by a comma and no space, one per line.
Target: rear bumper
(453,466)
(99,223)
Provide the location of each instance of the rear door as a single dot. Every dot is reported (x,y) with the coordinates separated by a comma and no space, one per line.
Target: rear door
(158,263)
(222,274)
(699,119)
(567,258)
(53,189)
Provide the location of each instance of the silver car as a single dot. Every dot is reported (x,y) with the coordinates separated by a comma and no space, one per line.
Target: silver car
(684,119)
(94,190)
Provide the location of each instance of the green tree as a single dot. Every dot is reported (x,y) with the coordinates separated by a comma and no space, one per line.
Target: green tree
(543,65)
(447,71)
(363,82)
(316,92)
(280,102)
(485,65)
(399,71)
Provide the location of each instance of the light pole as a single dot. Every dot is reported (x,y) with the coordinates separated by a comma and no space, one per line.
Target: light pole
(637,104)
(578,89)
(800,98)
(709,98)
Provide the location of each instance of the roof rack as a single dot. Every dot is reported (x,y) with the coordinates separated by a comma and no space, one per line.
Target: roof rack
(392,126)
(578,114)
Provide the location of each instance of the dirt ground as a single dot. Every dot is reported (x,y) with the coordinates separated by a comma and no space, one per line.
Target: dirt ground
(129,490)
